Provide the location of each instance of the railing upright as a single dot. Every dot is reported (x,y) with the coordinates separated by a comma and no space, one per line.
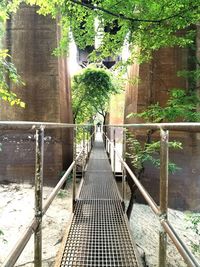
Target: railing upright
(164,136)
(88,144)
(83,155)
(74,171)
(93,137)
(122,166)
(38,196)
(109,144)
(114,154)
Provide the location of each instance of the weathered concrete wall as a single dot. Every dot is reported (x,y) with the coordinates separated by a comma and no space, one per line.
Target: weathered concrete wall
(156,79)
(31,39)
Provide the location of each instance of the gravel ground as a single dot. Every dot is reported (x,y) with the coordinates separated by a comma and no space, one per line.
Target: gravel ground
(16,211)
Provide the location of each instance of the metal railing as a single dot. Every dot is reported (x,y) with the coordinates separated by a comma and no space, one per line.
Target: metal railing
(35,226)
(162,210)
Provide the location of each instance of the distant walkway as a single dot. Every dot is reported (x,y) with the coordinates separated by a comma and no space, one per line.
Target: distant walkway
(99,234)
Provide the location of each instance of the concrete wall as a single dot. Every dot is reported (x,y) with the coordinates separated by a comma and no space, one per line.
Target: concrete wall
(156,79)
(31,39)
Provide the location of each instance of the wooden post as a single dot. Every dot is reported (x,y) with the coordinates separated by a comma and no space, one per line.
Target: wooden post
(163,195)
(38,196)
(114,156)
(74,171)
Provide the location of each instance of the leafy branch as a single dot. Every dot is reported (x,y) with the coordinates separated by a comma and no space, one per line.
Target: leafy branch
(8,71)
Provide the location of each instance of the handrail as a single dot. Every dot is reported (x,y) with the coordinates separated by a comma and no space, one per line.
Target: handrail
(34,224)
(177,126)
(145,194)
(183,250)
(33,124)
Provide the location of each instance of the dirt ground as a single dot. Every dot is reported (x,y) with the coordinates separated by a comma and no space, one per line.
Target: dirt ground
(17,209)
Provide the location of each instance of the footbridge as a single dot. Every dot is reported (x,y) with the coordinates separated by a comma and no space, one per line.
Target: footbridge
(98,234)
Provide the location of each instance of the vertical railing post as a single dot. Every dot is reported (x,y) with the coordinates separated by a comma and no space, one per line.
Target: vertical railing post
(163,195)
(123,169)
(104,136)
(105,139)
(114,146)
(74,171)
(83,159)
(109,145)
(88,149)
(38,195)
(93,137)
(109,152)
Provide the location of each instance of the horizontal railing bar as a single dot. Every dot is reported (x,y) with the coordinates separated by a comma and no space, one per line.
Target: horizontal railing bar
(25,237)
(146,195)
(178,126)
(60,183)
(183,250)
(32,125)
(20,245)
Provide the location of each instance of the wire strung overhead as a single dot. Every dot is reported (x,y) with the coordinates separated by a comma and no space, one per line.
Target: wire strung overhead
(122,16)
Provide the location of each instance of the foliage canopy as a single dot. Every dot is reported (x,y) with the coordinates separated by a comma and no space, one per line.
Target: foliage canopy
(91,91)
(149,25)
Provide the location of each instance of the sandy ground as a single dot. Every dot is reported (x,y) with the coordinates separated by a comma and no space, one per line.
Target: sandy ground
(16,211)
(145,228)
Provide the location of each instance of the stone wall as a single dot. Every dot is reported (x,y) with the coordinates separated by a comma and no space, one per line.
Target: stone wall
(31,39)
(155,80)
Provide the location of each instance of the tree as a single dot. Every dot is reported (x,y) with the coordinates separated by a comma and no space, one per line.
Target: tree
(91,91)
(149,25)
(181,106)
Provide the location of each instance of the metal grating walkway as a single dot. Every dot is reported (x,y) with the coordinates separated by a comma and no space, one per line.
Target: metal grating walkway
(99,234)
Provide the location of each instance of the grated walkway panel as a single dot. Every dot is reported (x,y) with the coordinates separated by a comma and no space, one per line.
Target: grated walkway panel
(99,234)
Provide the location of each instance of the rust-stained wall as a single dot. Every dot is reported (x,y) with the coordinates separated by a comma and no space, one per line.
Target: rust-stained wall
(155,80)
(31,39)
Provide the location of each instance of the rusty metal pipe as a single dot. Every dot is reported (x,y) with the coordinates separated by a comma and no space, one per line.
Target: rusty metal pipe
(39,162)
(114,146)
(123,168)
(164,137)
(143,191)
(25,237)
(9,125)
(20,245)
(74,172)
(183,250)
(178,126)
